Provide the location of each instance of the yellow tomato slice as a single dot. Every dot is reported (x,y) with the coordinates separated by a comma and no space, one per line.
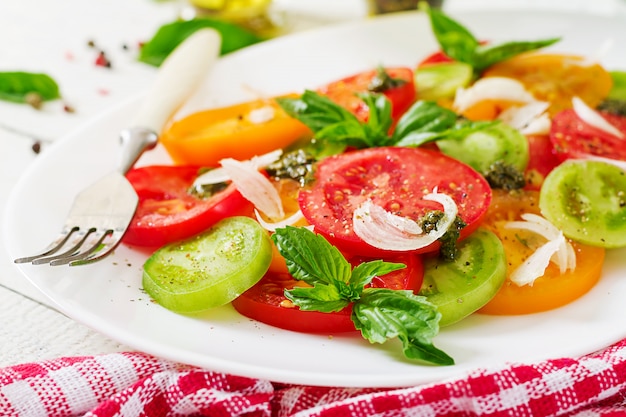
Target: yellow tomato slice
(488,109)
(553,289)
(556,78)
(239,131)
(288,190)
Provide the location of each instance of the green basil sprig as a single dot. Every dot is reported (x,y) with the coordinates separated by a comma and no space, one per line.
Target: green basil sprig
(170,35)
(379,313)
(15,86)
(424,122)
(457,42)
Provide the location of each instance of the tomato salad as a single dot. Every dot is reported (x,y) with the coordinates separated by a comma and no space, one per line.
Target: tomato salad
(395,201)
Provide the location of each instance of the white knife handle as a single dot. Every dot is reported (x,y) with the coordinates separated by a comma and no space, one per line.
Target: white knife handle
(180,74)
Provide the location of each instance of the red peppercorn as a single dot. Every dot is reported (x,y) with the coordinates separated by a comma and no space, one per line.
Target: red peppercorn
(102,60)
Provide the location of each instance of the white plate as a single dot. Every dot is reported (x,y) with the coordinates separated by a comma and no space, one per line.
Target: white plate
(107,296)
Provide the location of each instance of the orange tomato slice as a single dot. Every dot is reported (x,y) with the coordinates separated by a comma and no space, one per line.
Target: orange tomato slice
(553,289)
(239,131)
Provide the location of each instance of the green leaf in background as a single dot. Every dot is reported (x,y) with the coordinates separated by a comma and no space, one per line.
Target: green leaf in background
(169,36)
(17,85)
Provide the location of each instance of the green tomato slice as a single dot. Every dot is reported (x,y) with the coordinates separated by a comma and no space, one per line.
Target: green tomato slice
(440,81)
(618,91)
(587,201)
(458,288)
(210,269)
(480,150)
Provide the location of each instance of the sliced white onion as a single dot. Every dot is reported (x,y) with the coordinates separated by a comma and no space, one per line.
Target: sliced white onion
(385,230)
(217,175)
(528,119)
(272,226)
(540,126)
(593,118)
(495,88)
(261,115)
(254,187)
(535,265)
(261,161)
(616,162)
(564,257)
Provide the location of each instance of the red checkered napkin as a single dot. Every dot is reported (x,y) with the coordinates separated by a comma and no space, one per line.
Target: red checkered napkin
(136,384)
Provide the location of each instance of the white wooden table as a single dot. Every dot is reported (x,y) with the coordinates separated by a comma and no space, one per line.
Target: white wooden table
(52,37)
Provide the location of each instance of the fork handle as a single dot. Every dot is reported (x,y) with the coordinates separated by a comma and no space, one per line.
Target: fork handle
(180,74)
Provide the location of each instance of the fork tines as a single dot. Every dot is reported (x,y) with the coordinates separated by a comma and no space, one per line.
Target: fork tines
(76,247)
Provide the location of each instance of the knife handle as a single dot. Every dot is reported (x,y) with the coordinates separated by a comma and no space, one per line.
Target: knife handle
(180,74)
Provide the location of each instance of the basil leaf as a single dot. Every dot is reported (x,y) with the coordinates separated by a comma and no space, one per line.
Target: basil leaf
(310,257)
(351,133)
(16,85)
(363,273)
(487,55)
(321,297)
(423,117)
(457,42)
(170,35)
(379,120)
(426,122)
(334,123)
(381,314)
(316,111)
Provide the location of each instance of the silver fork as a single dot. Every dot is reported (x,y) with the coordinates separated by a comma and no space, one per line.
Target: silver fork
(101,213)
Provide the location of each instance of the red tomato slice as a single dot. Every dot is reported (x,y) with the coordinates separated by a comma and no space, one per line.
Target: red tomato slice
(573,138)
(541,160)
(395,178)
(438,57)
(343,92)
(266,302)
(167,212)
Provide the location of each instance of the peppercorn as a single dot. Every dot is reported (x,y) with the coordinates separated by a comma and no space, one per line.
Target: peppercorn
(102,60)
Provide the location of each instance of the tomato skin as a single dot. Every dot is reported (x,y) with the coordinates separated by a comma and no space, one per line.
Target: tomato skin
(438,57)
(542,160)
(395,178)
(267,303)
(167,213)
(209,269)
(343,91)
(553,289)
(206,137)
(573,138)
